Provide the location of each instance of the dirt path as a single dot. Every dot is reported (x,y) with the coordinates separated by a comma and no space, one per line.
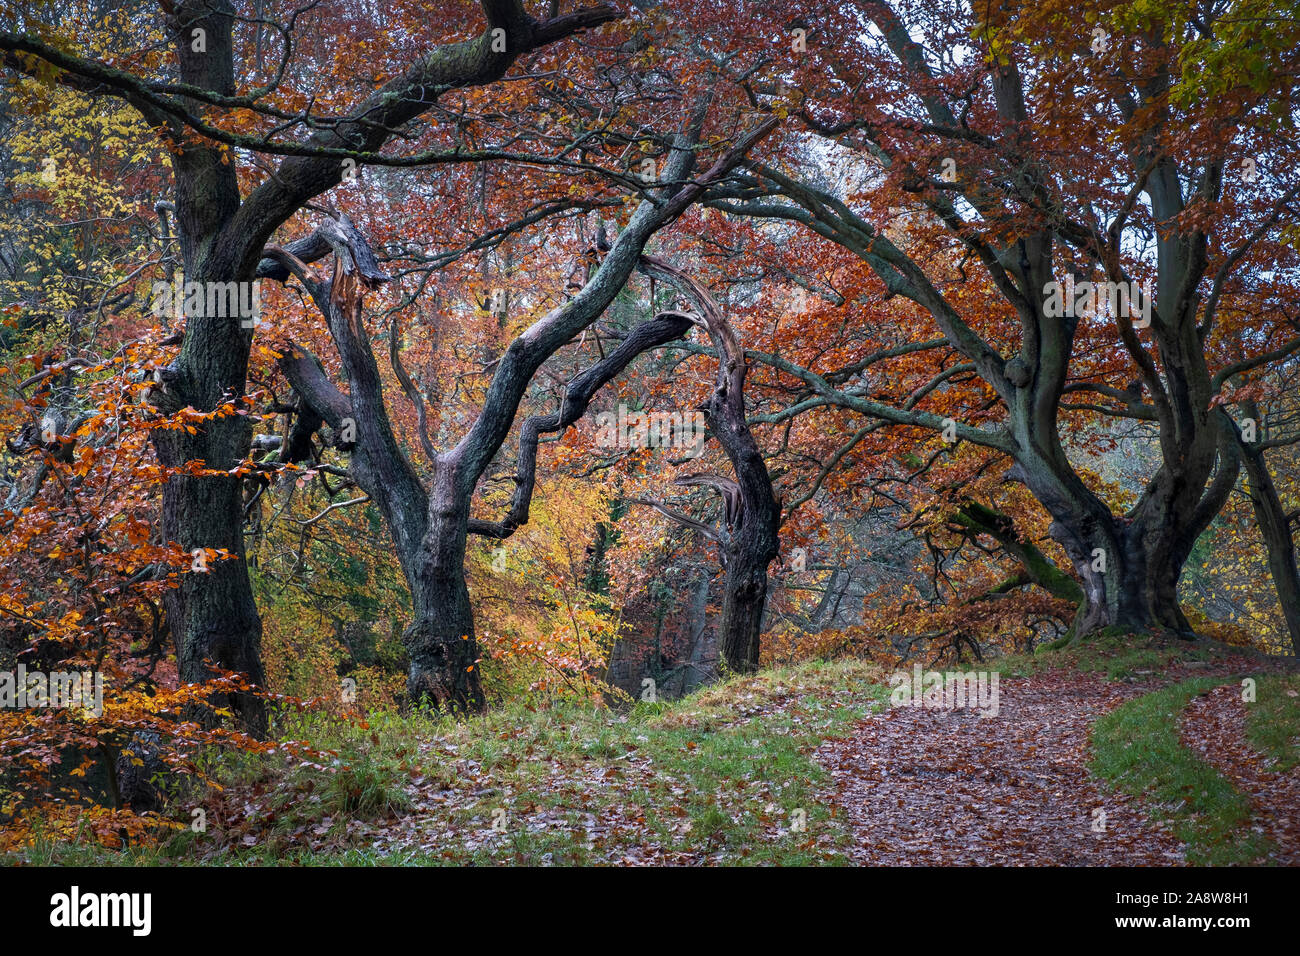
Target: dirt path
(925,787)
(1214,727)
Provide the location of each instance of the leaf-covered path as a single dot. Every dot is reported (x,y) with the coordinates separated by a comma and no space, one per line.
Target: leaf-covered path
(928,787)
(805,765)
(1214,727)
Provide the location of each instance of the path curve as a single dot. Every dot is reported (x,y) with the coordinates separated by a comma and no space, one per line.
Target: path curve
(1214,727)
(927,787)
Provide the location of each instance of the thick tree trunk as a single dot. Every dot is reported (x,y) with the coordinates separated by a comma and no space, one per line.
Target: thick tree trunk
(1130,574)
(740,622)
(1139,584)
(212,615)
(754,542)
(440,639)
(1129,565)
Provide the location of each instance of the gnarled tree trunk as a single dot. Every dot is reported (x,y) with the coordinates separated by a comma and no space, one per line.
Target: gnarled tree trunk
(440,638)
(430,527)
(751,540)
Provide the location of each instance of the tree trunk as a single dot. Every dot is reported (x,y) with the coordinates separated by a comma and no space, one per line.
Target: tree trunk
(1130,576)
(753,540)
(741,621)
(212,615)
(440,639)
(1275,527)
(1129,565)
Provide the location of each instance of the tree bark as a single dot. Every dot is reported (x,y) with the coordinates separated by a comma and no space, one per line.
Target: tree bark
(440,639)
(1130,564)
(751,541)
(440,643)
(430,527)
(754,542)
(1275,528)
(212,615)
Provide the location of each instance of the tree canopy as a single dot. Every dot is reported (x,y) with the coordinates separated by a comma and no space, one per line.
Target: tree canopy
(446,354)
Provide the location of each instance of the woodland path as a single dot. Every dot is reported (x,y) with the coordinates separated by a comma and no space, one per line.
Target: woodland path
(1213,727)
(927,787)
(719,778)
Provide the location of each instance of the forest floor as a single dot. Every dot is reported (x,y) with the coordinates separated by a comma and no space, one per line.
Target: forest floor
(1122,756)
(1118,753)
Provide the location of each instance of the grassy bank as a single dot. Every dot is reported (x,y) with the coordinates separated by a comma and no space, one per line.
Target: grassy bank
(1136,748)
(1273,720)
(725,775)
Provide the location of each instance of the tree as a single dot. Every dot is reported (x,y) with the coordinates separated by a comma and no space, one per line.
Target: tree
(978,149)
(222,233)
(748,538)
(430,525)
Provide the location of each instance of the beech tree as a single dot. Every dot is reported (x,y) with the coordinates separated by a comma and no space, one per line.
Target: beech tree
(975,130)
(430,525)
(197,103)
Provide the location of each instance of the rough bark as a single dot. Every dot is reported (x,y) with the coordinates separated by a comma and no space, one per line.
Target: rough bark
(459,469)
(212,616)
(430,526)
(751,539)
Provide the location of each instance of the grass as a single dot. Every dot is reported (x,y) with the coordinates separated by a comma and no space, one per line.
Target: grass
(724,776)
(1118,657)
(1273,720)
(1136,749)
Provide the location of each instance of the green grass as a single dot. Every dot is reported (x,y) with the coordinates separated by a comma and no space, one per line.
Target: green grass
(724,776)
(1136,749)
(1118,657)
(1273,720)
